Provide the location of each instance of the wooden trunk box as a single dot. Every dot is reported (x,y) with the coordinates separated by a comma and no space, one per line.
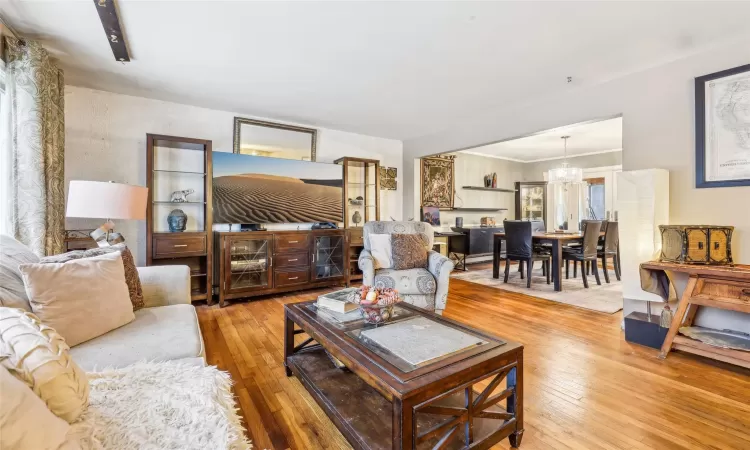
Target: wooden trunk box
(696,244)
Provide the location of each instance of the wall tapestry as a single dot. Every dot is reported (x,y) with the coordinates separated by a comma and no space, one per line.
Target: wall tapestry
(388,178)
(722,128)
(437,182)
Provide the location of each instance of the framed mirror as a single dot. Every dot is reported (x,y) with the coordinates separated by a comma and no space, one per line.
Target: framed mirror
(276,140)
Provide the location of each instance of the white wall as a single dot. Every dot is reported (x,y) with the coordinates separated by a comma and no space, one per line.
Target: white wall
(105,139)
(657,105)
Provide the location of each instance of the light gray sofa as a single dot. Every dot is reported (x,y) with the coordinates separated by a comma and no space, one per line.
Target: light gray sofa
(166,329)
(424,287)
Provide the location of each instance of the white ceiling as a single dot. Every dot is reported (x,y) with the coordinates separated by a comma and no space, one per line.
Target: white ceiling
(585,139)
(388,69)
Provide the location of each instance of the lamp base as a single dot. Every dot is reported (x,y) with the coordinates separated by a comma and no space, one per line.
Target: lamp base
(105,235)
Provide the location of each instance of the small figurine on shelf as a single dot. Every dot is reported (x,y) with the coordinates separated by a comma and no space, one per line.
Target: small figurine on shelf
(356,218)
(177,220)
(181,196)
(494,179)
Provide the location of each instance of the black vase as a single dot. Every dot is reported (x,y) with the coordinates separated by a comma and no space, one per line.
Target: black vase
(459,222)
(177,220)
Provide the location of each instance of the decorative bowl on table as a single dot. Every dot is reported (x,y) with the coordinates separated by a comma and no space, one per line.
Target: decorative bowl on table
(375,304)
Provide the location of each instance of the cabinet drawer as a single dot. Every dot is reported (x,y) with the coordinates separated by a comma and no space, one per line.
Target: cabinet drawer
(733,294)
(291,277)
(291,260)
(287,243)
(176,246)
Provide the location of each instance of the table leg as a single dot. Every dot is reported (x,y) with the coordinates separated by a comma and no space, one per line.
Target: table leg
(556,266)
(496,248)
(288,341)
(402,426)
(514,403)
(679,315)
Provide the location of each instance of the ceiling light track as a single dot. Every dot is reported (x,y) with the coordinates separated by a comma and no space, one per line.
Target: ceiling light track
(110,21)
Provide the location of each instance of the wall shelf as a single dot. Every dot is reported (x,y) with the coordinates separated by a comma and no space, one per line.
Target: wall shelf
(482,188)
(478,209)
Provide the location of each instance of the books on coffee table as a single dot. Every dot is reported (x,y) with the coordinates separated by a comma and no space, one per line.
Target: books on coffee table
(337,301)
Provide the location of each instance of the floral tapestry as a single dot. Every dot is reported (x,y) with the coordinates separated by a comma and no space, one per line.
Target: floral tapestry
(37,142)
(437,182)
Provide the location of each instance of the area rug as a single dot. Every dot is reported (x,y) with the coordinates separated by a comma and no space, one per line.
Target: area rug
(606,298)
(160,405)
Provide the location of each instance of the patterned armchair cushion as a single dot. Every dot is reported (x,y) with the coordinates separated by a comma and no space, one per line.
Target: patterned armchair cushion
(408,251)
(401,227)
(413,281)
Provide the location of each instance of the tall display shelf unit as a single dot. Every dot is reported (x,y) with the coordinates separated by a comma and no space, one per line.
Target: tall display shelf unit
(180,164)
(361,200)
(531,200)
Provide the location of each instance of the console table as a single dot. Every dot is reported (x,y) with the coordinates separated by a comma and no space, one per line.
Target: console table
(723,287)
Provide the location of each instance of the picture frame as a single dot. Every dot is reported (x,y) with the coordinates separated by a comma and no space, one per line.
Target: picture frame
(275,140)
(431,215)
(437,180)
(722,128)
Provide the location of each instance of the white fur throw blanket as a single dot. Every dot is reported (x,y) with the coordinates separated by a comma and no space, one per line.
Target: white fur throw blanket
(160,405)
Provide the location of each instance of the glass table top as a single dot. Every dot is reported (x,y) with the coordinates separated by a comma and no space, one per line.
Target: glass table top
(409,340)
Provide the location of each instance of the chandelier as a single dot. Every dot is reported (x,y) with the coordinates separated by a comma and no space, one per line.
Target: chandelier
(565,174)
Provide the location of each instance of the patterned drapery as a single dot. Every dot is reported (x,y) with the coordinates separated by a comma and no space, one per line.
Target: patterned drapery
(36,89)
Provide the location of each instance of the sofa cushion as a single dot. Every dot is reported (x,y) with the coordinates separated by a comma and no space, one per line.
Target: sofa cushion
(131,273)
(408,251)
(81,299)
(157,334)
(37,355)
(12,290)
(411,281)
(25,421)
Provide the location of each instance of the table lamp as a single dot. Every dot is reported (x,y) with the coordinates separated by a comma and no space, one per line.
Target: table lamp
(106,200)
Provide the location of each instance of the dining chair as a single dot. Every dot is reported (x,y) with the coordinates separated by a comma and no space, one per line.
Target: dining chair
(610,247)
(519,247)
(600,243)
(586,252)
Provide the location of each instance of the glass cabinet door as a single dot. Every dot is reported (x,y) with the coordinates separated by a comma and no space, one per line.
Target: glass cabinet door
(248,263)
(532,203)
(328,257)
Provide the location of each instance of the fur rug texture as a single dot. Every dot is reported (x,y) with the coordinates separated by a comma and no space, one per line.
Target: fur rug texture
(160,405)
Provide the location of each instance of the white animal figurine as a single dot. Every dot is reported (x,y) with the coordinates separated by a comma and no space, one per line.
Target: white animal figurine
(181,196)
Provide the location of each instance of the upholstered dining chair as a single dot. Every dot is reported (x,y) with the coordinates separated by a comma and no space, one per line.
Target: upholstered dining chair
(610,246)
(587,252)
(519,247)
(425,287)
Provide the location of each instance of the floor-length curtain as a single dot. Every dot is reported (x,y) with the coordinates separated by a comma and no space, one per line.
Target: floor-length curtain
(35,88)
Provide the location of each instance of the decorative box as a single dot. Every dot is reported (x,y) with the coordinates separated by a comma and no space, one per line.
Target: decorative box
(696,244)
(487,221)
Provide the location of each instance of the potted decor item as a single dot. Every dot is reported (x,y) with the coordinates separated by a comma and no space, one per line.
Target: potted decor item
(375,304)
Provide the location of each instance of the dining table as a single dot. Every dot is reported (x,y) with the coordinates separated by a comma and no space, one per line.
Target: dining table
(558,240)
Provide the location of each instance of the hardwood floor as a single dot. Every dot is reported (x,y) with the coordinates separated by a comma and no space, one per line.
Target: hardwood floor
(585,387)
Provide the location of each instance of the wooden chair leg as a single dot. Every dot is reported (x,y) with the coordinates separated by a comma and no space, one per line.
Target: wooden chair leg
(567,269)
(604,267)
(588,267)
(544,268)
(575,269)
(547,265)
(520,268)
(507,270)
(595,269)
(583,275)
(616,260)
(529,268)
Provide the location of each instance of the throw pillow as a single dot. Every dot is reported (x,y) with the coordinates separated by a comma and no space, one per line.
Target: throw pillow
(132,279)
(408,251)
(81,299)
(380,248)
(13,254)
(37,355)
(25,422)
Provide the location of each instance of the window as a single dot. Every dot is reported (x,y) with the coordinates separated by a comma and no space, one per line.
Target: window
(6,160)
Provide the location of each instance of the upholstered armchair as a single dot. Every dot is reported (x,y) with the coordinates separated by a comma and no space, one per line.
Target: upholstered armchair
(424,287)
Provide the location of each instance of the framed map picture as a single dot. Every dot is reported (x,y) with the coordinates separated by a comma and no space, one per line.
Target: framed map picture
(722,128)
(437,182)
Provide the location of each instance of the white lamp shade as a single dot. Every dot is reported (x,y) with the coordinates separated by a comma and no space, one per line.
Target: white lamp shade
(102,200)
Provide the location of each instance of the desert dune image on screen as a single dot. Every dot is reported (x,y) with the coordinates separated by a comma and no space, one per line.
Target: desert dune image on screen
(256,189)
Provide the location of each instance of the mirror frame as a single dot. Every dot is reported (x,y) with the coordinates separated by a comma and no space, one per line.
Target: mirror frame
(239,121)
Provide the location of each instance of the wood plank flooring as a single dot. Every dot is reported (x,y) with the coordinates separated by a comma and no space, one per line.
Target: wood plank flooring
(585,387)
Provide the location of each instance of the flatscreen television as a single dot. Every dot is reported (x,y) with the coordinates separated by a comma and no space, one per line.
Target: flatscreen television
(258,189)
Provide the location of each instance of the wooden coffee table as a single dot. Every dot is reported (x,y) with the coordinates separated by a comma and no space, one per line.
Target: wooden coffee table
(383,401)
